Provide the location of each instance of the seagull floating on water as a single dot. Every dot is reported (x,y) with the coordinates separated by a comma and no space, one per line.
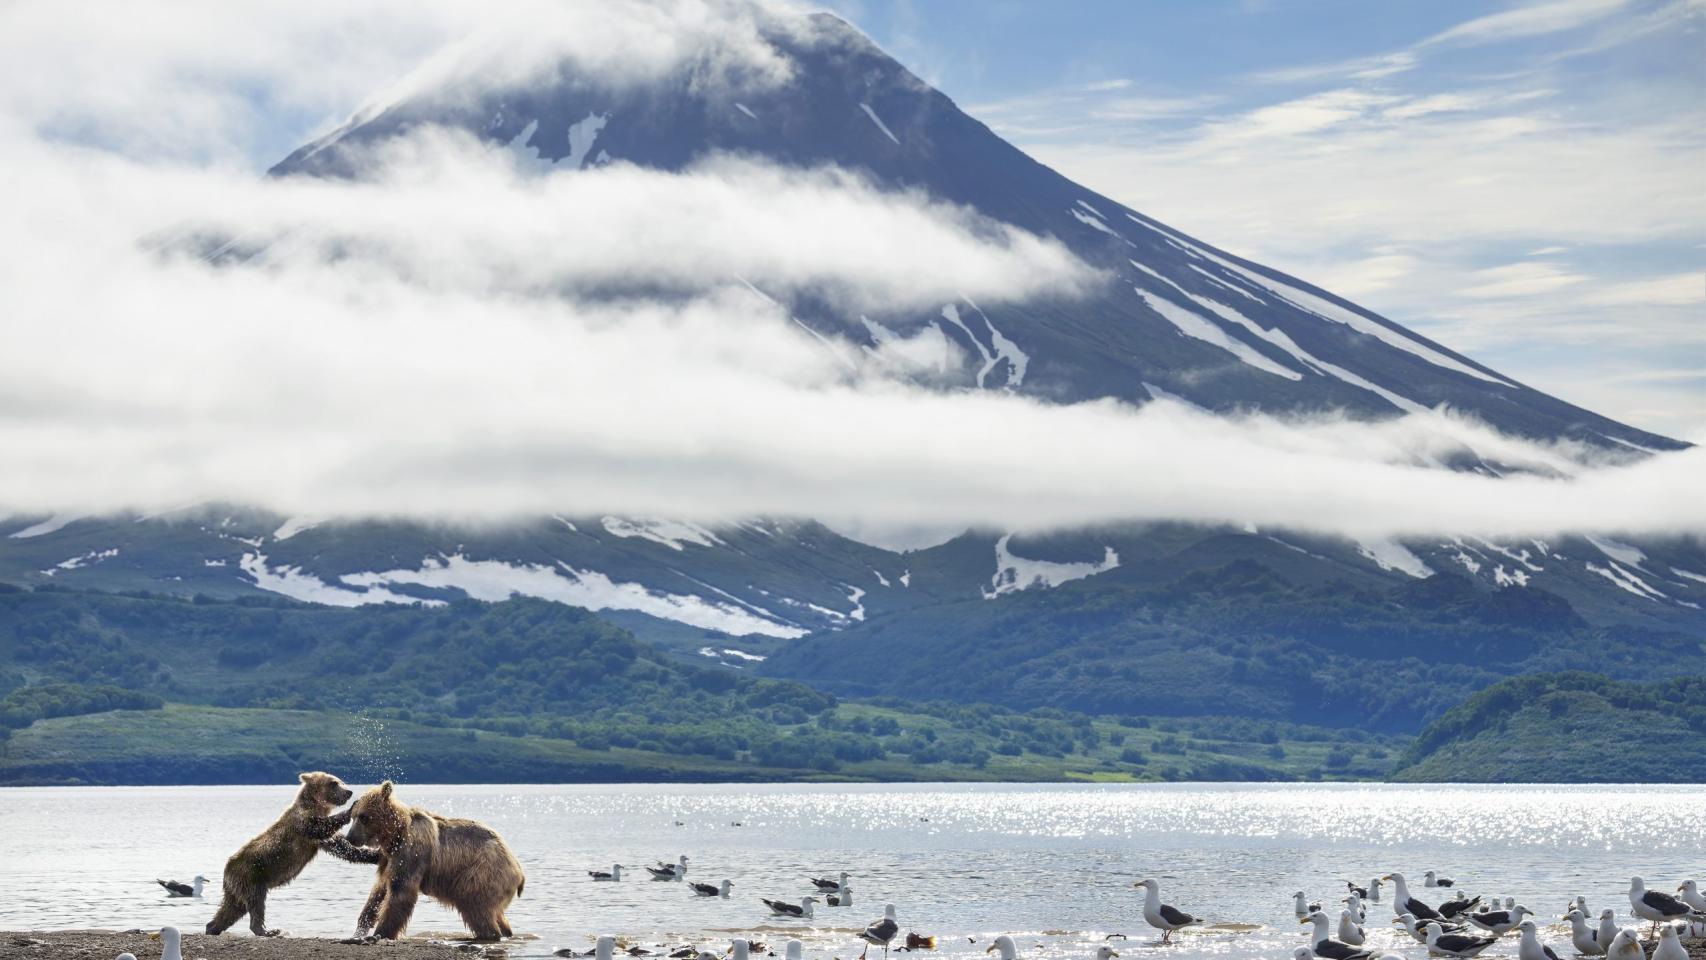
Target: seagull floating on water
(669,871)
(1452,909)
(1327,947)
(880,932)
(175,888)
(1349,932)
(1419,932)
(1500,922)
(918,941)
(1433,879)
(840,898)
(783,908)
(1459,945)
(1583,937)
(829,886)
(711,889)
(1301,905)
(614,874)
(1161,916)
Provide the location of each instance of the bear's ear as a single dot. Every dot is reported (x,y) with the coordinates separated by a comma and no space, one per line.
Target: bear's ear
(385,789)
(305,777)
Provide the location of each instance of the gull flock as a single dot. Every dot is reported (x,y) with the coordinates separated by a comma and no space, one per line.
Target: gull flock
(1461,927)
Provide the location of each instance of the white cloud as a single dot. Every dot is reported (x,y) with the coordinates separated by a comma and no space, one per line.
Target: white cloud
(1529,20)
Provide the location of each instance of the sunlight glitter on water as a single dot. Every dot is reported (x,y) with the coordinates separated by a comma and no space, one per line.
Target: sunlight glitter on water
(1052,865)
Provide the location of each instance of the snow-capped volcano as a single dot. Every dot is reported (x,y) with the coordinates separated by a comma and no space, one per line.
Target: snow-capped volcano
(1165,317)
(1170,315)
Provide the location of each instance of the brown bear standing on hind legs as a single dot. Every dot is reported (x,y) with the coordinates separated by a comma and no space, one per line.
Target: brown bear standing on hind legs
(274,858)
(460,863)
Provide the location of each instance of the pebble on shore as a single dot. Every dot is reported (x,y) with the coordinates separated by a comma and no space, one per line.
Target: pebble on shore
(106,944)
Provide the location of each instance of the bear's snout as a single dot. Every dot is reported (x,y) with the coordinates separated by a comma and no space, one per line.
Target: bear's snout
(341,795)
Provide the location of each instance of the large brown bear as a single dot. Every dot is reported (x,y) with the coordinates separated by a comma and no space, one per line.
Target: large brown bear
(460,863)
(274,858)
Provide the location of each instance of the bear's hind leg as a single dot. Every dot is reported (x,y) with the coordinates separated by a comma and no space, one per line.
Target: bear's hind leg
(484,921)
(258,915)
(231,910)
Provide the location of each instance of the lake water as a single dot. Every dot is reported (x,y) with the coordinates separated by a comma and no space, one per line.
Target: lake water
(1052,865)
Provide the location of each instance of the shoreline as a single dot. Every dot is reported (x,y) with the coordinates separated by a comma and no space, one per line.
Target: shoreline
(98,944)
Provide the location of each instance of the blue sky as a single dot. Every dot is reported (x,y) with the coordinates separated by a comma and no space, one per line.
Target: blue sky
(1524,181)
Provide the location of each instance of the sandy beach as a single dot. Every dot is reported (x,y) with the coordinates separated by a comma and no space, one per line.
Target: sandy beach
(107,944)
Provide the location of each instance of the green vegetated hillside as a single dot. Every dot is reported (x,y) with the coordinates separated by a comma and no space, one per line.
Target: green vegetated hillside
(1575,726)
(104,688)
(1239,639)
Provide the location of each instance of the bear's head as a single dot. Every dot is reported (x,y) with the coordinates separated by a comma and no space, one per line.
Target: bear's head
(378,820)
(322,792)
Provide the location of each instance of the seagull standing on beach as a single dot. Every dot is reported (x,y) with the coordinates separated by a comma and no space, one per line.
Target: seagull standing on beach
(1584,938)
(171,944)
(1655,906)
(739,949)
(1161,916)
(1669,947)
(1625,946)
(880,932)
(1452,909)
(1691,895)
(1004,945)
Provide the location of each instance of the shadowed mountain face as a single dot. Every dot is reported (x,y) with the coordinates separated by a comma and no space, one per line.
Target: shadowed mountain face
(1169,317)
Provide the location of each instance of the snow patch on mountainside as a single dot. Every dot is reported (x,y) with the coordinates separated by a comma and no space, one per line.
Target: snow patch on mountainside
(1014,573)
(670,533)
(1391,555)
(293,583)
(495,580)
(294,526)
(1621,552)
(53,524)
(87,559)
(1626,580)
(1194,325)
(1688,574)
(879,122)
(1004,349)
(1330,311)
